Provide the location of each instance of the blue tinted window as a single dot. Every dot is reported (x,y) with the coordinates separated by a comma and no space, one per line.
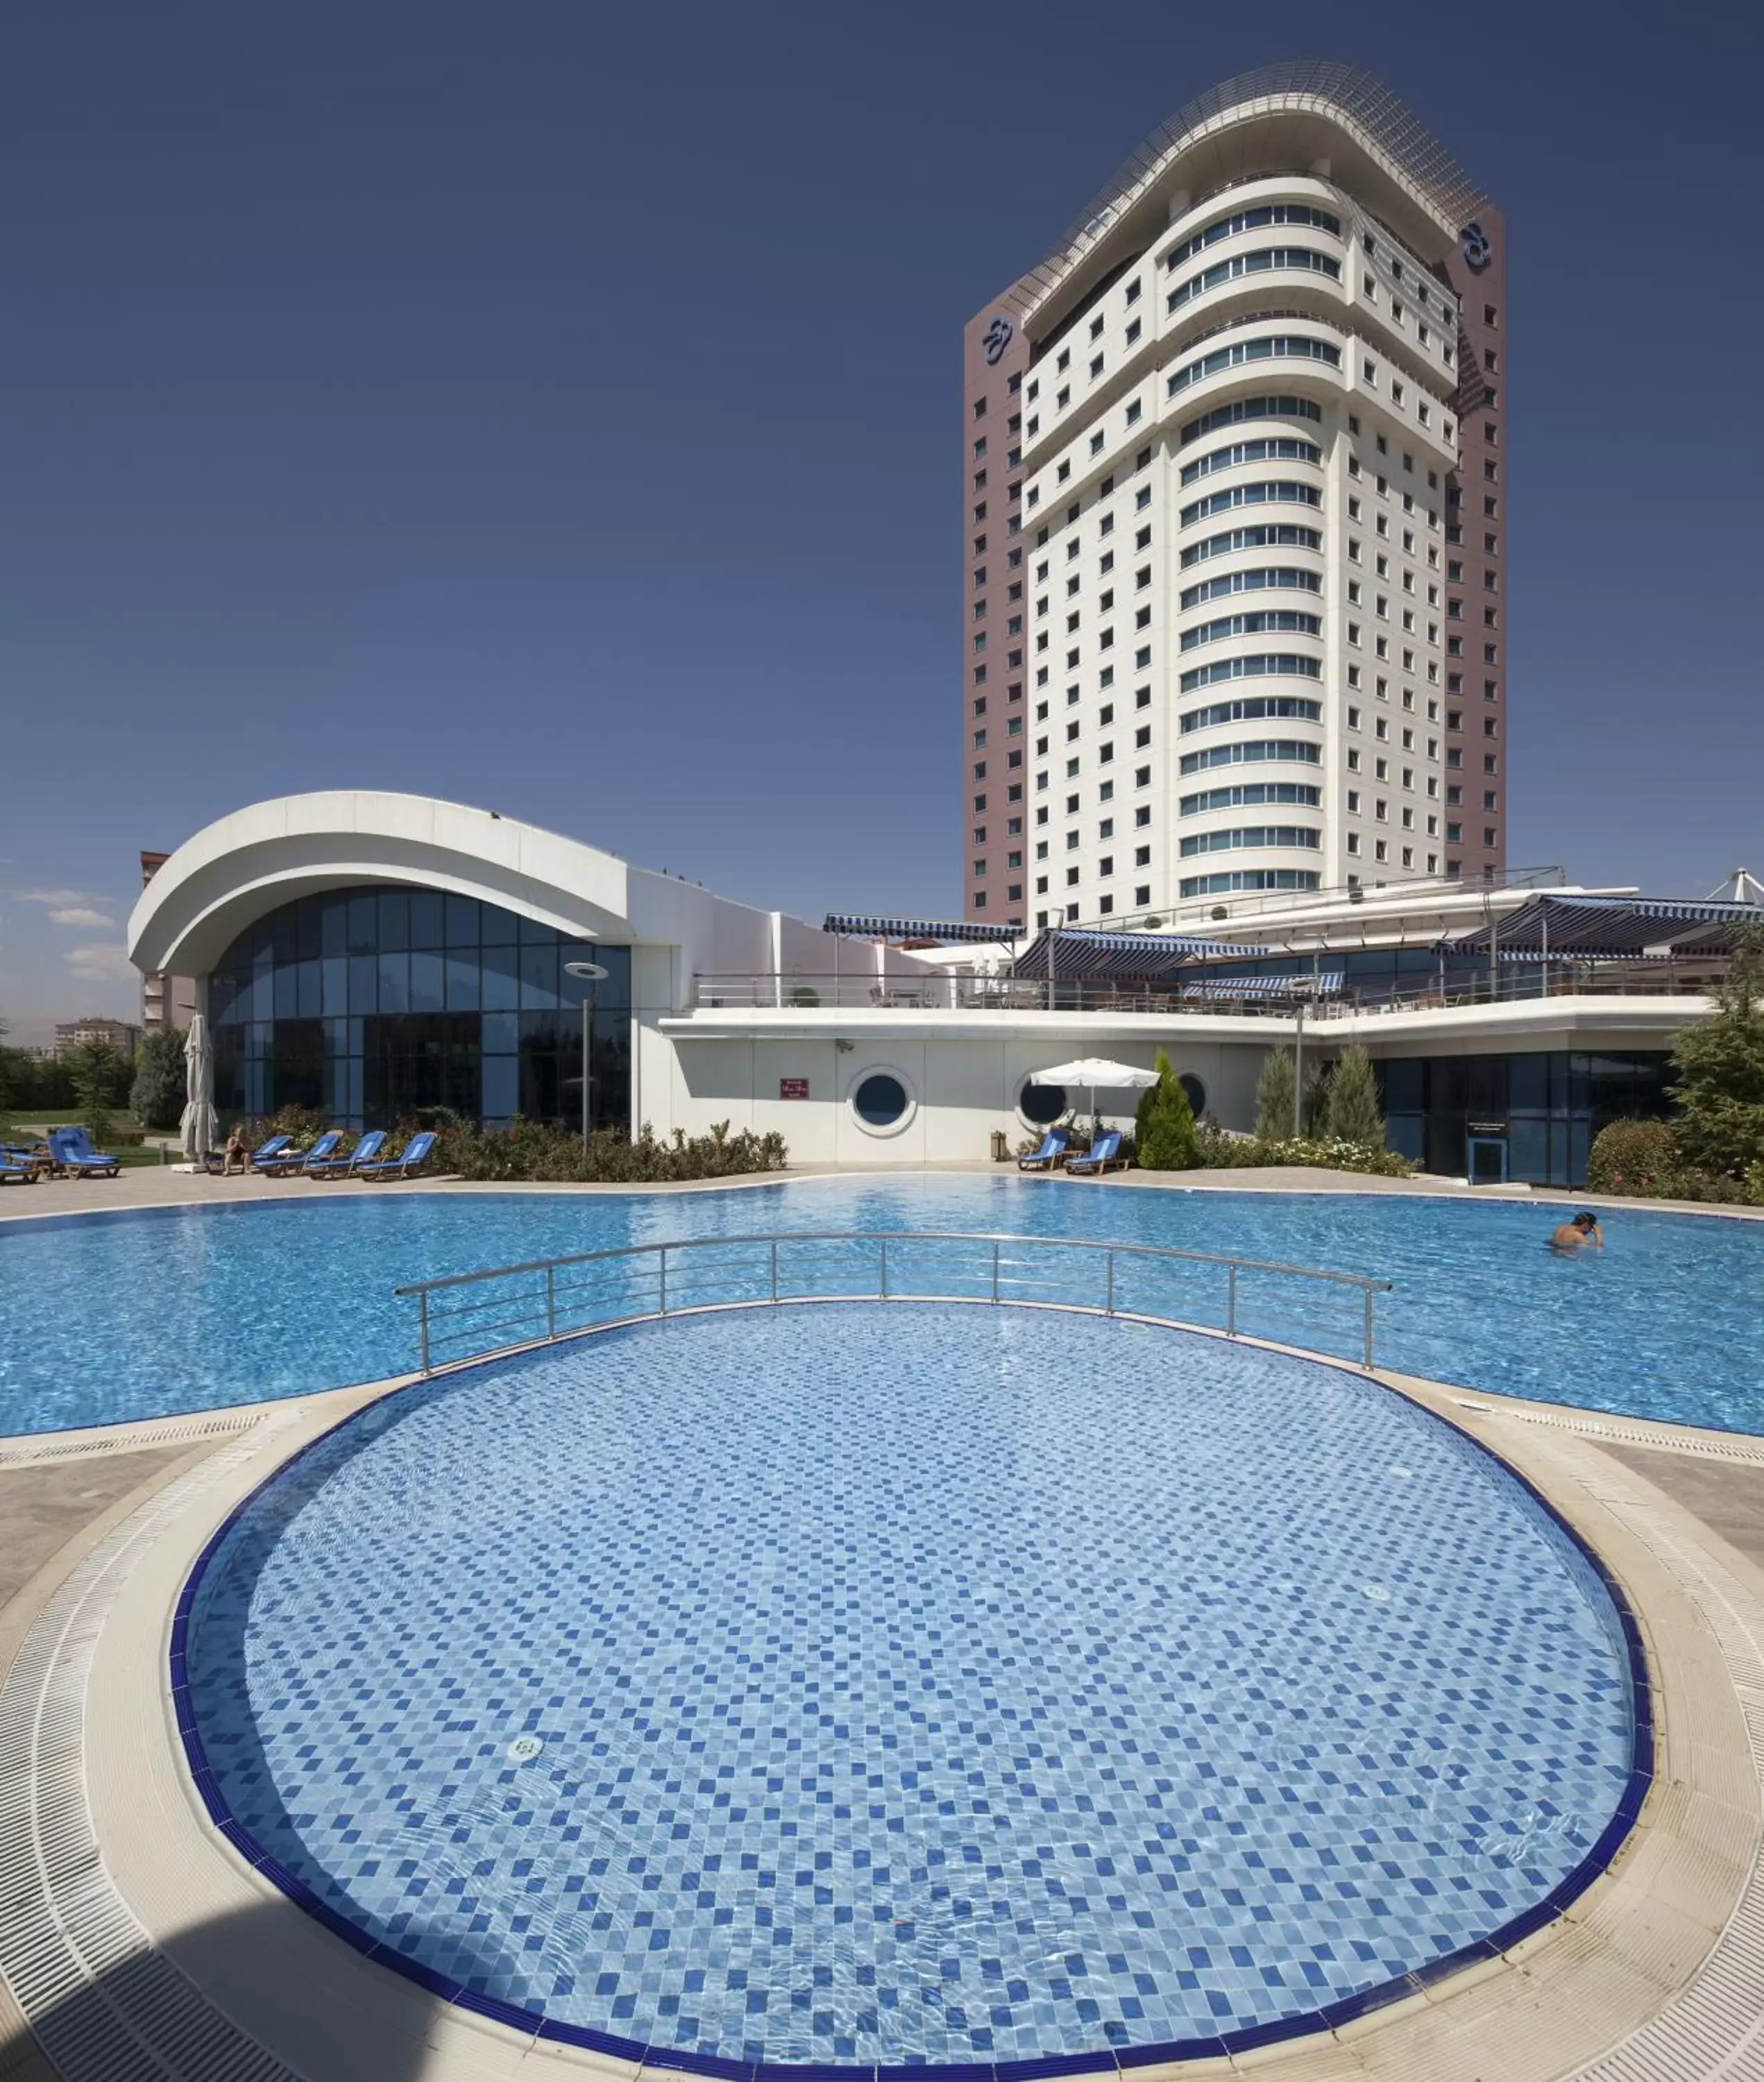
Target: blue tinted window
(462,922)
(428,913)
(427,983)
(880,1100)
(394,929)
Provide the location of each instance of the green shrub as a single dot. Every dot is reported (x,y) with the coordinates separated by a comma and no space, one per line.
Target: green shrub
(157,1095)
(97,1072)
(1163,1125)
(540,1150)
(1633,1156)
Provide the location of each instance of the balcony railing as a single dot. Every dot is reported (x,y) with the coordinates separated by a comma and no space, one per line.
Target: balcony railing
(472,1316)
(1277,997)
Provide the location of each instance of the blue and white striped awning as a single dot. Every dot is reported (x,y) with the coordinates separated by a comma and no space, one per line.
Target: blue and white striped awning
(1608,928)
(960,932)
(1079,955)
(1223,990)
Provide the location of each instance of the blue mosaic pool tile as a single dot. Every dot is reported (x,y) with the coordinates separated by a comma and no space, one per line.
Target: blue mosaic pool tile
(928,1685)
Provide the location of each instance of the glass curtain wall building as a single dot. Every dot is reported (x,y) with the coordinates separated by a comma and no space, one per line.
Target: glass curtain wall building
(369,1005)
(1539,1111)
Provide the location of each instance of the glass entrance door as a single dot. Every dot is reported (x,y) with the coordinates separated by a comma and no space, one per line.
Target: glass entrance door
(1488,1160)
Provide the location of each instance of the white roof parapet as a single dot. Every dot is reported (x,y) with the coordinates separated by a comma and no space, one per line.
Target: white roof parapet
(1359,103)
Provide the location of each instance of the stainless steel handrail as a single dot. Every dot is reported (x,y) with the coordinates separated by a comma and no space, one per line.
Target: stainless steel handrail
(546,1303)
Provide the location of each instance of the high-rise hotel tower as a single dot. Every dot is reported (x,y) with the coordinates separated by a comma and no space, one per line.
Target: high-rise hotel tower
(1235,605)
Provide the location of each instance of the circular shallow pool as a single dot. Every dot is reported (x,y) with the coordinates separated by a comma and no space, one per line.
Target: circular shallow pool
(872,1685)
(104,1317)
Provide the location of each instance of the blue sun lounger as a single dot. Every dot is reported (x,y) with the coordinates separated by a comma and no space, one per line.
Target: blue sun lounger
(298,1160)
(415,1156)
(72,1149)
(1105,1151)
(339,1167)
(1052,1150)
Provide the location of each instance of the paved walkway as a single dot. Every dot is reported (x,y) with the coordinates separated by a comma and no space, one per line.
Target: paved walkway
(150,1185)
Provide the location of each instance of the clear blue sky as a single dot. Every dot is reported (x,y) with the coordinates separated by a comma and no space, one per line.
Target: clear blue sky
(556,407)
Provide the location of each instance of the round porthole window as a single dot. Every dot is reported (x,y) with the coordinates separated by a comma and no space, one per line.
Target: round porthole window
(1196,1091)
(880,1102)
(1041,1105)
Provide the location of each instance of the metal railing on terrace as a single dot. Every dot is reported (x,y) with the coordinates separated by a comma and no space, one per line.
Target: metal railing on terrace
(476,1315)
(1276,996)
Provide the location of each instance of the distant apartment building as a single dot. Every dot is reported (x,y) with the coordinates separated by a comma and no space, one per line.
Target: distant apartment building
(120,1034)
(1235,601)
(165,1001)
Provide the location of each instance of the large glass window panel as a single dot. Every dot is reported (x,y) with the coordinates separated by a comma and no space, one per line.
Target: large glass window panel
(501,1033)
(306,934)
(1528,1084)
(428,919)
(462,922)
(501,979)
(334,924)
(464,981)
(534,934)
(500,928)
(364,983)
(428,982)
(262,999)
(333,986)
(1528,1151)
(287,991)
(394,926)
(364,923)
(394,982)
(538,977)
(501,1087)
(307,997)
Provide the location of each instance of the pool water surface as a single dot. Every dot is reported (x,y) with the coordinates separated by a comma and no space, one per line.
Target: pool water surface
(107,1316)
(867,1685)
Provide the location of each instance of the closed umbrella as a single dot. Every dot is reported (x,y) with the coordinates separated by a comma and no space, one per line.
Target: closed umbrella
(198,1123)
(1096,1074)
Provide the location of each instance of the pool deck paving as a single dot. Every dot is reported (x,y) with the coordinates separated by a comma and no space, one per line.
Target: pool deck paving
(1655,1974)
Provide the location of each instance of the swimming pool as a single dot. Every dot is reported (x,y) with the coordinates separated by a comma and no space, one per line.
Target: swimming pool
(861,1685)
(105,1316)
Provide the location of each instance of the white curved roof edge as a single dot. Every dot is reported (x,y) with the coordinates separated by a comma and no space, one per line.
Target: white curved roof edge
(234,870)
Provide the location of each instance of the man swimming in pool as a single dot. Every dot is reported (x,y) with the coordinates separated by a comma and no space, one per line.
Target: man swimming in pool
(1577,1234)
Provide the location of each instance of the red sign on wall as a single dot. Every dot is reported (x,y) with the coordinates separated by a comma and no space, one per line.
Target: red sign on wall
(792,1088)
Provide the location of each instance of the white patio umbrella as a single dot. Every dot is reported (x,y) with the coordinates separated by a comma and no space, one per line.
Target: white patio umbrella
(198,1126)
(1096,1074)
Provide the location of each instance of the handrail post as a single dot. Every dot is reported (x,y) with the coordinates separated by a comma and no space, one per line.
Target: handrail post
(664,1278)
(995,1269)
(1368,1330)
(1108,1306)
(774,1269)
(551,1302)
(1230,1301)
(422,1325)
(883,1240)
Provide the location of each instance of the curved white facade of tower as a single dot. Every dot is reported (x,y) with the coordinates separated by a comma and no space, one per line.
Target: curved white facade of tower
(1238,432)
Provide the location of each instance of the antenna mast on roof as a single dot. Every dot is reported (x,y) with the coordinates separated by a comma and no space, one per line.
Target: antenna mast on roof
(1742,887)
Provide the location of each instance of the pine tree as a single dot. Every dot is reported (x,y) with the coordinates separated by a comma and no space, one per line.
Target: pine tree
(1351,1111)
(1274,1097)
(1719,1093)
(1163,1126)
(96,1070)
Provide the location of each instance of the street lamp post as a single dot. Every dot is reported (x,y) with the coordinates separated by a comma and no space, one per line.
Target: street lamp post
(591,974)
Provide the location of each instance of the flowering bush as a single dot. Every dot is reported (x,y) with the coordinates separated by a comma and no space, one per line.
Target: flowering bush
(1328,1152)
(1645,1159)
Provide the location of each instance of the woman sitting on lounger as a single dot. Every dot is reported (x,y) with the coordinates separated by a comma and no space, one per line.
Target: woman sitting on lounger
(238,1145)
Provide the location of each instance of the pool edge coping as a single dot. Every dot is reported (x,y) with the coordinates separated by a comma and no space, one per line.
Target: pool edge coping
(1329,2018)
